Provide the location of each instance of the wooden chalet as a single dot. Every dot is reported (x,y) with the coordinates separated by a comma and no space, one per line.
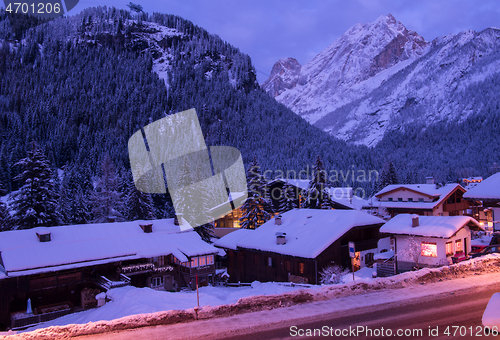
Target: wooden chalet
(422,199)
(296,246)
(484,199)
(62,269)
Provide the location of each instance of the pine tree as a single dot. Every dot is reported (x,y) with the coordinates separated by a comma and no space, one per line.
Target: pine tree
(317,195)
(388,176)
(106,200)
(139,205)
(35,204)
(5,218)
(288,199)
(257,208)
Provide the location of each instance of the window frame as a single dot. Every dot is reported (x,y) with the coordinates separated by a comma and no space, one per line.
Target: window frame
(423,248)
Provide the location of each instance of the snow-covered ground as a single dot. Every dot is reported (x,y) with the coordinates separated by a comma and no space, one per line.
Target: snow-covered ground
(129,300)
(138,307)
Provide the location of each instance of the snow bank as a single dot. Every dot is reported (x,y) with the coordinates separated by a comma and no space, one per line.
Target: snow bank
(224,301)
(491,315)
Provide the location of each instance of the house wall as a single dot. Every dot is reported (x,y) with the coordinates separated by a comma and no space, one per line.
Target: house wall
(404,194)
(406,262)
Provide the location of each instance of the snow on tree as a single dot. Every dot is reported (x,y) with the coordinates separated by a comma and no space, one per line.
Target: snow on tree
(194,203)
(257,208)
(35,204)
(332,274)
(138,205)
(388,176)
(316,196)
(288,198)
(413,250)
(106,200)
(5,218)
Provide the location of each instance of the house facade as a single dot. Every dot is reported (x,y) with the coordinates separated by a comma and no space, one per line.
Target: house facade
(296,246)
(61,269)
(422,199)
(429,241)
(484,199)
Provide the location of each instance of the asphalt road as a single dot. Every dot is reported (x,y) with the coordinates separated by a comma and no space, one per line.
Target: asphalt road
(451,315)
(412,320)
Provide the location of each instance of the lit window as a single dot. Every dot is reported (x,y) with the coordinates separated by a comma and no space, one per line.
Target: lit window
(301,267)
(210,259)
(449,248)
(458,246)
(157,281)
(203,260)
(429,249)
(194,262)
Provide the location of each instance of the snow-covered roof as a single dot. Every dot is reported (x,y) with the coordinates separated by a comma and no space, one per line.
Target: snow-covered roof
(384,256)
(308,232)
(441,193)
(486,190)
(229,241)
(429,226)
(431,190)
(90,244)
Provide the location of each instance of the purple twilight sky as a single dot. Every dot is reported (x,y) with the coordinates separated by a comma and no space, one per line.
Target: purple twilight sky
(268,30)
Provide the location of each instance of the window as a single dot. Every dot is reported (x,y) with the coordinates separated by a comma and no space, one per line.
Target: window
(428,249)
(458,246)
(288,266)
(449,248)
(269,261)
(210,259)
(420,199)
(203,260)
(400,199)
(194,262)
(301,267)
(410,199)
(390,199)
(157,281)
(256,259)
(159,260)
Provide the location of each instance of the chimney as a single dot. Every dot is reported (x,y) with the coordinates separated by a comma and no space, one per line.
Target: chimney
(43,236)
(277,220)
(178,219)
(280,238)
(414,221)
(147,228)
(429,180)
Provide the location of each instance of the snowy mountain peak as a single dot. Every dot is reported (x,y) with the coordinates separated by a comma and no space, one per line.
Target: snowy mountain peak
(359,86)
(284,75)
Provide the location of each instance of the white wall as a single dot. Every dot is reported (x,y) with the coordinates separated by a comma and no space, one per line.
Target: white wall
(402,242)
(404,194)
